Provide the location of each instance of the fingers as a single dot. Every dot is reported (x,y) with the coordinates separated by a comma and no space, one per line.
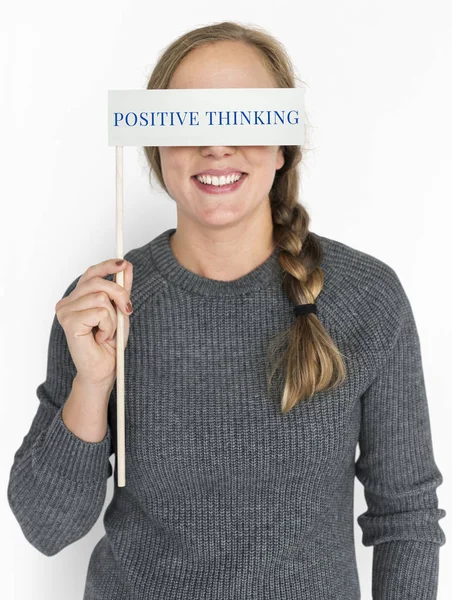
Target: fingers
(93,282)
(102,269)
(128,278)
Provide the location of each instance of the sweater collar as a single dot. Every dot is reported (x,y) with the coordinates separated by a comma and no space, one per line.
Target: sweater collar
(267,273)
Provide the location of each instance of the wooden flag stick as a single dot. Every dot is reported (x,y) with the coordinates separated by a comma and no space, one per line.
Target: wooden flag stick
(120,436)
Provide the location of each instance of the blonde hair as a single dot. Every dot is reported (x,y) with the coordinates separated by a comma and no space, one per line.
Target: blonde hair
(310,362)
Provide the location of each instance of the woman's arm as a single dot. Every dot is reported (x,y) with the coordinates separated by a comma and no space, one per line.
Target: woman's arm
(58,481)
(397,469)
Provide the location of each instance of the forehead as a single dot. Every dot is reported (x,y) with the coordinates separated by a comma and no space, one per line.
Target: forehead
(222,64)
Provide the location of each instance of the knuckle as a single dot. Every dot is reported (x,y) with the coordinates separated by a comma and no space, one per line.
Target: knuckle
(104,311)
(102,298)
(62,319)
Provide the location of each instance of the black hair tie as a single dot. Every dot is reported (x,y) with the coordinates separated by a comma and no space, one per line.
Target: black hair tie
(303,309)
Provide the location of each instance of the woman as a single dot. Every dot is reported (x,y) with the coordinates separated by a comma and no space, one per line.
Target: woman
(239,483)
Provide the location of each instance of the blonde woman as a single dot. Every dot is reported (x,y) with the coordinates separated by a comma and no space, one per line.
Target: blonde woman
(259,356)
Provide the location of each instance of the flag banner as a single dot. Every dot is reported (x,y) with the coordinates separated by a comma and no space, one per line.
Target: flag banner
(206,117)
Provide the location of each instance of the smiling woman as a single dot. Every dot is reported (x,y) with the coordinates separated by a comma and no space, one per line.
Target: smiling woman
(235,489)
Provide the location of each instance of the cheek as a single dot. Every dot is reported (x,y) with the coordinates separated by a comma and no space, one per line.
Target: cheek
(174,159)
(174,169)
(263,160)
(265,171)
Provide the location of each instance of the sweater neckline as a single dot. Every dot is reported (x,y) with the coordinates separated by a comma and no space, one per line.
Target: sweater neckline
(266,274)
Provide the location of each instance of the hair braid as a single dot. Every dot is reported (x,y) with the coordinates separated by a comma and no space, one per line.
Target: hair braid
(311,360)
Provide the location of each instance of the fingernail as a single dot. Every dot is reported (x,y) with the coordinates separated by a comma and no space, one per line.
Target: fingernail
(119,262)
(129,307)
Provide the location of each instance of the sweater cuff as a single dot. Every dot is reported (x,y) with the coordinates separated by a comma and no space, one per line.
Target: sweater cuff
(405,569)
(59,452)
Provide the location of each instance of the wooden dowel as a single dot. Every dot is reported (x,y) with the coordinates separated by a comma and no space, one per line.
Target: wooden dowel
(120,330)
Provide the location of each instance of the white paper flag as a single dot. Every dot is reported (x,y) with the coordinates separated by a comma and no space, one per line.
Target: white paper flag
(206,117)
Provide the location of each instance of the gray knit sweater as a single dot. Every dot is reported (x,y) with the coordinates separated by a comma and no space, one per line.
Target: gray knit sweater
(226,498)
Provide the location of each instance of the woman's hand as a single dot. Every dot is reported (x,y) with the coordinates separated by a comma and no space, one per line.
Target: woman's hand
(88,317)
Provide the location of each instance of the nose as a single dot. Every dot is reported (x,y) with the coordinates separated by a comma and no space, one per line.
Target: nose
(217,151)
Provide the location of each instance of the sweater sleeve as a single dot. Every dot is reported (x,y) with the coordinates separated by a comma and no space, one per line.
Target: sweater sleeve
(397,468)
(57,484)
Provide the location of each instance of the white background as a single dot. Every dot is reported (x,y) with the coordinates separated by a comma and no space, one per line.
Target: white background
(378,100)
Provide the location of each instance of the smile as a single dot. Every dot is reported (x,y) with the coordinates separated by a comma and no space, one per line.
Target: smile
(219,188)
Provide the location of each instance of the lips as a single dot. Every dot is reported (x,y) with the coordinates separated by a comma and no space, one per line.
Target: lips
(220,189)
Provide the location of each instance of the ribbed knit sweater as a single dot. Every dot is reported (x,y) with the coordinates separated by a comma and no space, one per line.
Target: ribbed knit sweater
(226,498)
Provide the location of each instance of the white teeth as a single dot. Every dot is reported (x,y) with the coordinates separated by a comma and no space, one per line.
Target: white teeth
(219,181)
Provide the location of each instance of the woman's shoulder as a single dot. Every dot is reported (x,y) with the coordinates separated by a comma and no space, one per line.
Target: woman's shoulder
(363,296)
(362,291)
(344,264)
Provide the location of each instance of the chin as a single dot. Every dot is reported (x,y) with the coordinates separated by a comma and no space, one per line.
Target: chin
(220,218)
